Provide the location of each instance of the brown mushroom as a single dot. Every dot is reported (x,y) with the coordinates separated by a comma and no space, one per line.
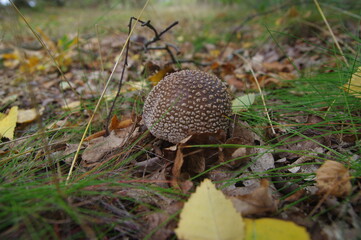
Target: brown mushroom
(187,102)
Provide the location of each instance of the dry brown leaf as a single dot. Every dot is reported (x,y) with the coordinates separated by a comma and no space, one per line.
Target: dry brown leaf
(239,155)
(99,147)
(275,66)
(333,179)
(296,196)
(234,81)
(95,135)
(113,125)
(258,201)
(69,149)
(192,161)
(116,124)
(176,170)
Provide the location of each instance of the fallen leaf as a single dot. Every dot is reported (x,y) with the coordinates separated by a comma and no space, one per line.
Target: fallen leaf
(243,103)
(296,196)
(234,82)
(238,155)
(71,105)
(8,123)
(354,85)
(177,166)
(99,147)
(69,149)
(334,179)
(209,215)
(258,201)
(113,125)
(116,124)
(57,124)
(27,115)
(262,160)
(277,67)
(11,60)
(269,228)
(154,79)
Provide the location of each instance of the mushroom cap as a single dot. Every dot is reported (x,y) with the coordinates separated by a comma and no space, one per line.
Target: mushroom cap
(187,102)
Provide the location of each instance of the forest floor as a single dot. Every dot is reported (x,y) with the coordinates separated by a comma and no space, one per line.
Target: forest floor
(293,151)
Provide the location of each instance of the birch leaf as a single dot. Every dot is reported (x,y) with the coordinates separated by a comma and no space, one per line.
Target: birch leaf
(209,215)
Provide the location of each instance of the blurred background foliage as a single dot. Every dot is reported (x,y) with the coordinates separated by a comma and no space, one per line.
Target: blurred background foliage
(256,4)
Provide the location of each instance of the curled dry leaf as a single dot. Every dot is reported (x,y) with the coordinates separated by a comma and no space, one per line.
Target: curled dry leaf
(333,179)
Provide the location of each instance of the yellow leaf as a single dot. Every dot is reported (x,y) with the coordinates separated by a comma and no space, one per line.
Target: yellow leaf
(11,60)
(8,123)
(26,116)
(215,53)
(2,115)
(13,56)
(209,215)
(154,79)
(269,228)
(30,64)
(354,85)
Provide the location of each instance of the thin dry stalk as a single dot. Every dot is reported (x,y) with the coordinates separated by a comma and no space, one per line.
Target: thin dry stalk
(331,32)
